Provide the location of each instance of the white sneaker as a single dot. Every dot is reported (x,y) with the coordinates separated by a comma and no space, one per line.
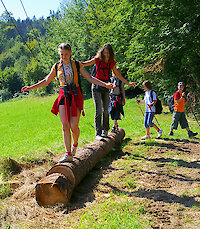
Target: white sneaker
(146,137)
(98,137)
(65,158)
(105,133)
(159,133)
(74,149)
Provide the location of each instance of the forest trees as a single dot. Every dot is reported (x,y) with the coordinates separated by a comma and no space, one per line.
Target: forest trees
(156,40)
(14,54)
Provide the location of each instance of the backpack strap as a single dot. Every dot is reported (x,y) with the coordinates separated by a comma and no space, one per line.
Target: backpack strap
(77,66)
(151,95)
(56,67)
(78,71)
(178,94)
(94,70)
(108,71)
(120,84)
(75,71)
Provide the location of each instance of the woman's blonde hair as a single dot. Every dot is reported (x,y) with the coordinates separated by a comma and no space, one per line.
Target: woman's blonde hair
(63,46)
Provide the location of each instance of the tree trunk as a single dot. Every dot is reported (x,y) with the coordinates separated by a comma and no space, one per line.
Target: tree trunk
(61,179)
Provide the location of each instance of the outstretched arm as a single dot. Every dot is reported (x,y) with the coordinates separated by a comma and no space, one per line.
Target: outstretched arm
(88,62)
(41,83)
(93,80)
(119,76)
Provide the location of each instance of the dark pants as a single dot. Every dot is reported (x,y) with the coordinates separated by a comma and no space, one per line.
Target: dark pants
(179,117)
(101,102)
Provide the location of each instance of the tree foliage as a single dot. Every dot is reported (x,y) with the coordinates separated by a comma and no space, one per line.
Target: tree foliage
(155,40)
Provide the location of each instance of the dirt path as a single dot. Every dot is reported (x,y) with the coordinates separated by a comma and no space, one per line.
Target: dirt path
(166,178)
(163,175)
(170,181)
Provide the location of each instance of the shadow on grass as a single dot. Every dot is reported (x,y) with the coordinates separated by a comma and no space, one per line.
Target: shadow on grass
(179,177)
(178,162)
(157,195)
(169,145)
(158,144)
(182,140)
(84,192)
(161,195)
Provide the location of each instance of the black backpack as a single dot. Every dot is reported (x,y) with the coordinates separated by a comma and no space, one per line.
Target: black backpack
(94,70)
(171,103)
(158,105)
(115,81)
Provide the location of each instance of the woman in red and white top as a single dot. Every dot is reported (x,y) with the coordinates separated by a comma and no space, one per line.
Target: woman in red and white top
(70,104)
(105,63)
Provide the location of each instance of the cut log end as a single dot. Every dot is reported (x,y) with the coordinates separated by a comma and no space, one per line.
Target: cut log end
(64,169)
(53,189)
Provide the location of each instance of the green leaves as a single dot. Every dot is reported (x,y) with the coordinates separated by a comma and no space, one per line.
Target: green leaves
(155,40)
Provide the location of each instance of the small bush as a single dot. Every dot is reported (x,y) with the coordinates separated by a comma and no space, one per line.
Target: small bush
(9,167)
(5,191)
(5,95)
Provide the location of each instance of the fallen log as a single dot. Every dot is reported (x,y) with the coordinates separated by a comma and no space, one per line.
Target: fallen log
(61,179)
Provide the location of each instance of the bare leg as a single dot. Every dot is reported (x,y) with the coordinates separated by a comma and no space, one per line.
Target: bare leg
(65,128)
(74,122)
(115,123)
(147,131)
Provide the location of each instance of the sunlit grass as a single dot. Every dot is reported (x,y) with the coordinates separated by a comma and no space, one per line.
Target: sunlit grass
(111,214)
(28,127)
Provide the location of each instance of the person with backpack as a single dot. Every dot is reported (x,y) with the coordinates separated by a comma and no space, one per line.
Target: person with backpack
(150,101)
(105,63)
(180,99)
(70,100)
(117,100)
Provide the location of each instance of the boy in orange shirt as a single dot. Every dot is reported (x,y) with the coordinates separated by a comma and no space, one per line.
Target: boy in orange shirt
(180,100)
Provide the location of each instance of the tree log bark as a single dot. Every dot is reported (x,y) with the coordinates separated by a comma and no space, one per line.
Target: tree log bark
(61,179)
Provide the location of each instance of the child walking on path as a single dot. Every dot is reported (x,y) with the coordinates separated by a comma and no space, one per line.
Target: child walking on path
(180,99)
(149,109)
(117,100)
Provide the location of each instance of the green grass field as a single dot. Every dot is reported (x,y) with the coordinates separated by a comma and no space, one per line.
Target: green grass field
(28,128)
